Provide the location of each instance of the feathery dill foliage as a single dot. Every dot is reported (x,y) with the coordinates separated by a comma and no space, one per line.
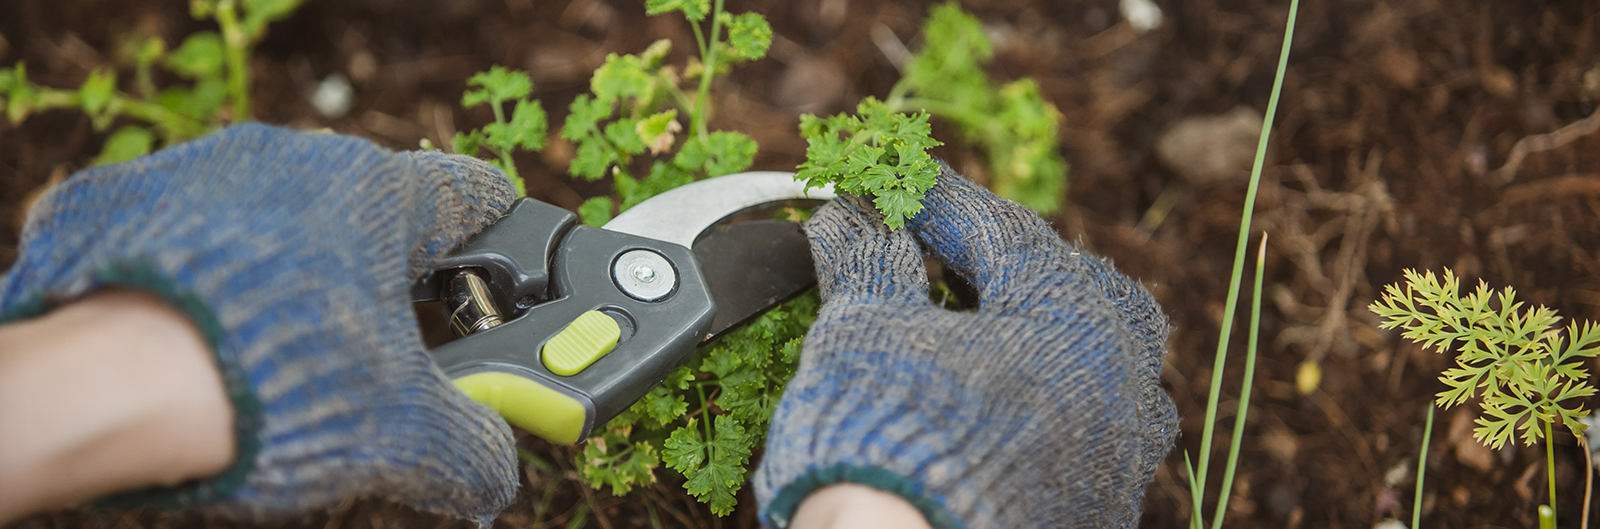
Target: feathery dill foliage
(1515,359)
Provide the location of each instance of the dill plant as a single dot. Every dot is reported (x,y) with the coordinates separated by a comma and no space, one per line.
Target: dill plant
(1527,374)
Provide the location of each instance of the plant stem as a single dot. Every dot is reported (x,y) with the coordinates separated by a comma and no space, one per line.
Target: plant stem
(507,164)
(1550,468)
(940,108)
(1422,470)
(1244,393)
(238,45)
(177,126)
(897,95)
(708,53)
(1238,256)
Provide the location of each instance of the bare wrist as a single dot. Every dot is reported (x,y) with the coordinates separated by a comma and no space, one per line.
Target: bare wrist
(113,392)
(853,506)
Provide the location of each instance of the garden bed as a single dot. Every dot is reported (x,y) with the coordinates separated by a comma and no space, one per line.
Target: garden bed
(1397,122)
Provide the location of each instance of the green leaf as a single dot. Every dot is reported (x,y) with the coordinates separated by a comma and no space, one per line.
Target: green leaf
(950,65)
(897,206)
(620,77)
(694,10)
(723,152)
(125,144)
(495,86)
(468,143)
(892,164)
(664,406)
(679,378)
(202,9)
(583,118)
(98,90)
(749,35)
(609,459)
(151,50)
(199,57)
(684,451)
(662,177)
(200,102)
(592,159)
(525,129)
(624,135)
(596,211)
(723,474)
(657,131)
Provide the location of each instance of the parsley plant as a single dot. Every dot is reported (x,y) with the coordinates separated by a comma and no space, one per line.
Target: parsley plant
(636,102)
(882,152)
(216,64)
(525,129)
(707,417)
(874,153)
(1016,129)
(1515,360)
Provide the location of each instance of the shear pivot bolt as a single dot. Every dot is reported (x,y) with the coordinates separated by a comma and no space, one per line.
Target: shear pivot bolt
(644,275)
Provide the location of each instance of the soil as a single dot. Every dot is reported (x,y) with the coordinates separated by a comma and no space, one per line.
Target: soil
(1390,151)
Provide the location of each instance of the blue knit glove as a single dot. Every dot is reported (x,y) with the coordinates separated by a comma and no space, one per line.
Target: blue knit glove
(293,253)
(1043,409)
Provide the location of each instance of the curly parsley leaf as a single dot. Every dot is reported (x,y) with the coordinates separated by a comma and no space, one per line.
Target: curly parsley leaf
(1012,125)
(879,154)
(497,85)
(722,152)
(595,211)
(620,77)
(525,129)
(749,35)
(612,460)
(714,466)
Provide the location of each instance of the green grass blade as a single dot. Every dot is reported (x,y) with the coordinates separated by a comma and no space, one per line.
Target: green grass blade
(1244,392)
(1239,252)
(1194,494)
(1422,470)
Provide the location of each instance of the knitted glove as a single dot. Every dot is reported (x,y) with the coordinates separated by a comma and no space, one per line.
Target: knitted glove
(293,254)
(1042,409)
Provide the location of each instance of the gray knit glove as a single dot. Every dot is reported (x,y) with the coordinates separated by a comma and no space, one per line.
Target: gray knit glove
(1043,409)
(293,253)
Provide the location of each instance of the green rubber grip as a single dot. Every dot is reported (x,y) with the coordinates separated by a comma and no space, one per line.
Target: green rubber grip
(528,405)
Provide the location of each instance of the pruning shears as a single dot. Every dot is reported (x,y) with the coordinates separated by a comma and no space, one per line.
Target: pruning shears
(563,326)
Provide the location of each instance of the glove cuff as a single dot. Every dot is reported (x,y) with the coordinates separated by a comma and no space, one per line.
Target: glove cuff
(246,405)
(782,508)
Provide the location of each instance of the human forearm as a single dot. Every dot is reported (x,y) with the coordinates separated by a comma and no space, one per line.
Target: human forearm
(110,393)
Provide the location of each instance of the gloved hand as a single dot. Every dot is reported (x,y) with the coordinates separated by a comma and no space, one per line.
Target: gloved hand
(293,253)
(1043,409)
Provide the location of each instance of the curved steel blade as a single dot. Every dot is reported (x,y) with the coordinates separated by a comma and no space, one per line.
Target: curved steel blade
(750,263)
(683,213)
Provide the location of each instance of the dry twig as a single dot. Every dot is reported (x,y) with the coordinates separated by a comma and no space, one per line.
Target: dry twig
(1545,142)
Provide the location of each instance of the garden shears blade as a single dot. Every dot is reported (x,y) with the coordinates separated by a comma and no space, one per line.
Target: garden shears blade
(563,326)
